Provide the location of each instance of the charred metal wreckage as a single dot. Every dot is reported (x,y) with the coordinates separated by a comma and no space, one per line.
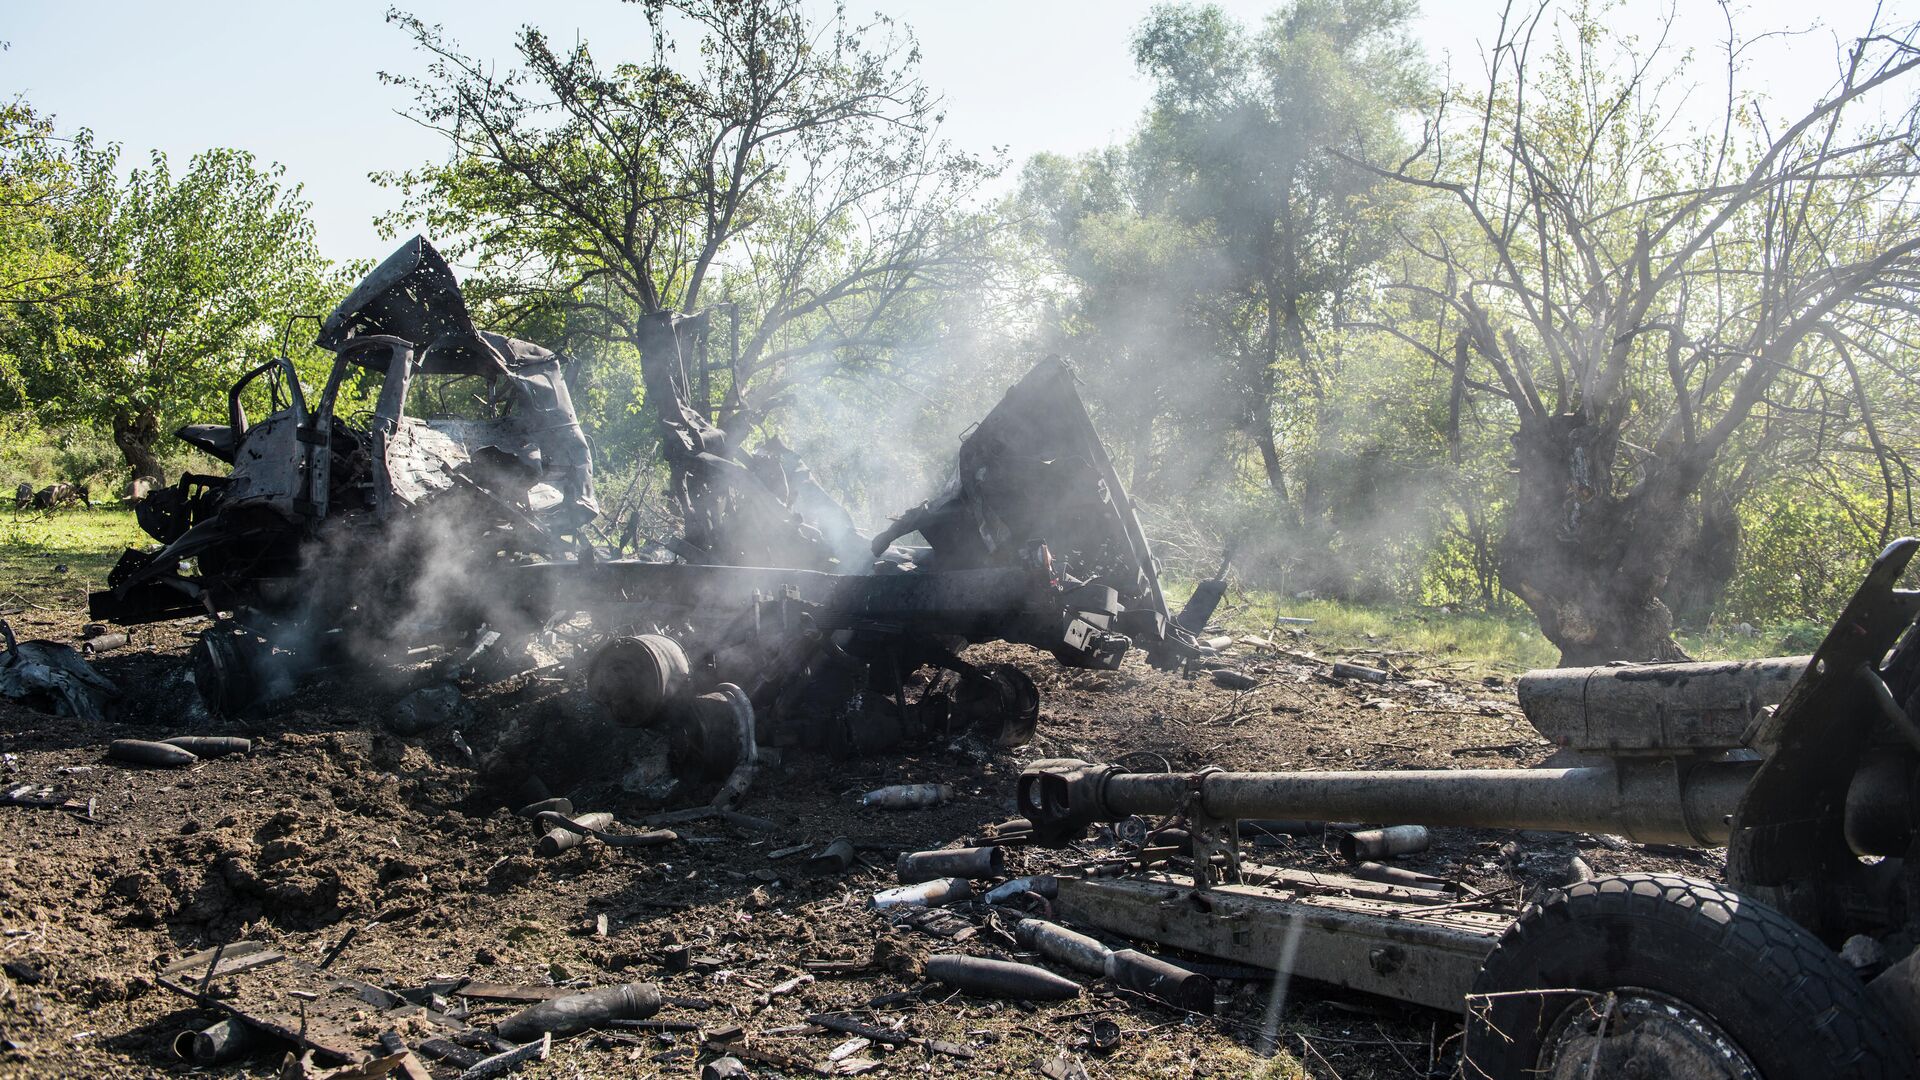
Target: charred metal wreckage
(772,621)
(338,536)
(1806,768)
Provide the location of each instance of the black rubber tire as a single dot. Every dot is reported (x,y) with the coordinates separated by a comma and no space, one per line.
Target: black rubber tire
(1786,1000)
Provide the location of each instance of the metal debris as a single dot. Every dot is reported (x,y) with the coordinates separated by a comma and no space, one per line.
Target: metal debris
(54,678)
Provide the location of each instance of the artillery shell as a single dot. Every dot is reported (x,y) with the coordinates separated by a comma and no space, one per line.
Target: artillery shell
(1001,978)
(835,858)
(143,752)
(210,746)
(1394,875)
(907,796)
(563,807)
(1063,946)
(578,1012)
(973,862)
(1368,844)
(1039,884)
(1356,671)
(726,1068)
(228,1040)
(562,839)
(1161,981)
(103,643)
(1234,680)
(934,893)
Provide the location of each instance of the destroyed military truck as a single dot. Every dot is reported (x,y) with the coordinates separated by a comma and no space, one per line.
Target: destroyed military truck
(850,643)
(343,531)
(348,537)
(1804,963)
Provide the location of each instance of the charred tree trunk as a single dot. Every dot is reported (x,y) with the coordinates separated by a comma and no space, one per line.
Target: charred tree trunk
(1706,567)
(137,434)
(1590,563)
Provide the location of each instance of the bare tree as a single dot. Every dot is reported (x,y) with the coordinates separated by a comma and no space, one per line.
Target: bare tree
(1646,301)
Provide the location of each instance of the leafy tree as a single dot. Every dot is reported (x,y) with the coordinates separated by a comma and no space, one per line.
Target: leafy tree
(794,170)
(185,281)
(1240,138)
(1649,311)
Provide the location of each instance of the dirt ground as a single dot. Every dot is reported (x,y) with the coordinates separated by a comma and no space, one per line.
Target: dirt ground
(332,823)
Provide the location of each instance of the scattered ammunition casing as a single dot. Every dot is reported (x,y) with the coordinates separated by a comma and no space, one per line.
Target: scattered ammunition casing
(1103,1036)
(228,1040)
(104,643)
(835,858)
(143,752)
(936,893)
(973,862)
(1063,946)
(1160,980)
(1001,978)
(578,1012)
(1394,875)
(1234,680)
(907,796)
(1369,844)
(1039,884)
(562,839)
(561,806)
(1356,671)
(725,1068)
(210,746)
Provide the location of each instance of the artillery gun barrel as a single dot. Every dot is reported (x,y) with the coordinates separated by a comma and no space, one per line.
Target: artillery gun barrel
(1650,800)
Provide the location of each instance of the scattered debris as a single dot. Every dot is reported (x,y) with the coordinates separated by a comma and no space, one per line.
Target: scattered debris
(94,646)
(836,858)
(1368,845)
(1228,679)
(1344,670)
(935,893)
(146,752)
(974,862)
(1000,978)
(54,678)
(210,746)
(228,1040)
(578,1012)
(907,796)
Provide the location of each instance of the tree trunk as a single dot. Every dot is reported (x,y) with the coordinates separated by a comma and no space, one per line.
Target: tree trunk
(136,435)
(1589,563)
(1706,567)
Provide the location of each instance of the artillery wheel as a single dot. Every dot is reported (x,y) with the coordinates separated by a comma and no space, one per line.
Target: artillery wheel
(225,671)
(1653,976)
(635,678)
(1000,702)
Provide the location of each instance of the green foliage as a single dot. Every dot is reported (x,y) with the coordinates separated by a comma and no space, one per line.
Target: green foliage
(790,171)
(182,283)
(1802,556)
(34,547)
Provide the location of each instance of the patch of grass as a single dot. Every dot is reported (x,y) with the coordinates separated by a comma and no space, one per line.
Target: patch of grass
(1487,644)
(34,546)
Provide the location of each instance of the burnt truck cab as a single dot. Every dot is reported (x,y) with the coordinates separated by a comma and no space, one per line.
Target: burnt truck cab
(311,478)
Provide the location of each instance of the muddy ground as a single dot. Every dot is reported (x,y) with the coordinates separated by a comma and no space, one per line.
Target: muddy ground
(333,823)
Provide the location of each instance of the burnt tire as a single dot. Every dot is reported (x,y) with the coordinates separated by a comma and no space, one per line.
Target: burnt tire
(1633,975)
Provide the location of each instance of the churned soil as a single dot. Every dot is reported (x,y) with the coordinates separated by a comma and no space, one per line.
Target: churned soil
(333,823)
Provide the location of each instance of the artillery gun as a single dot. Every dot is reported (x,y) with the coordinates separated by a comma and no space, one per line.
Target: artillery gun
(1805,768)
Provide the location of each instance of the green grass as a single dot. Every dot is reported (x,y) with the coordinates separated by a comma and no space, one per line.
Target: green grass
(1502,644)
(1488,644)
(34,546)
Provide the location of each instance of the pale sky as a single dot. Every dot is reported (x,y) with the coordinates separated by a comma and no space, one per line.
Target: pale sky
(295,81)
